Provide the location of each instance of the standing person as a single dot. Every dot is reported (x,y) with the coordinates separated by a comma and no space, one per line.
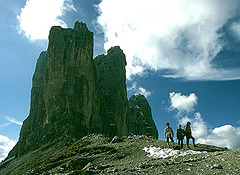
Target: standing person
(168,134)
(188,134)
(180,136)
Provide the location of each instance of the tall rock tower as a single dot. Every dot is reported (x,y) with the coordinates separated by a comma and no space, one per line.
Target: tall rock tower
(73,95)
(64,98)
(112,83)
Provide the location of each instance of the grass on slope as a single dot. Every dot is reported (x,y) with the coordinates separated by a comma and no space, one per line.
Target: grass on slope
(96,154)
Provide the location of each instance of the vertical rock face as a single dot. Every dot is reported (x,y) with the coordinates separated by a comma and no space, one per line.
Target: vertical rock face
(65,98)
(140,117)
(73,95)
(112,83)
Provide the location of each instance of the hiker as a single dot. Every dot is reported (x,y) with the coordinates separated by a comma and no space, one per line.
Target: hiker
(180,136)
(168,133)
(188,134)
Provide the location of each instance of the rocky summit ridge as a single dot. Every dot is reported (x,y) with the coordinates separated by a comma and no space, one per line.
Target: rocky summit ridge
(74,95)
(98,154)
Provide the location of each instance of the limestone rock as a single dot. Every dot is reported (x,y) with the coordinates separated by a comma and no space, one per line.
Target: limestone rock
(74,95)
(64,98)
(140,120)
(71,92)
(112,83)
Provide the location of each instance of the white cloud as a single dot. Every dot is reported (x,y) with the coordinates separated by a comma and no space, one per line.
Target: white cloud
(38,16)
(214,74)
(182,103)
(135,89)
(236,29)
(144,92)
(178,35)
(224,136)
(199,127)
(4,125)
(5,146)
(13,120)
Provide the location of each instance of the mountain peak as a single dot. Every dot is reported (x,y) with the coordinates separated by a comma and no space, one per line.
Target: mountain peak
(80,26)
(73,95)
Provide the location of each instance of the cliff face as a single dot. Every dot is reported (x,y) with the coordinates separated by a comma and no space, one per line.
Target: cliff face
(112,83)
(140,117)
(65,98)
(73,95)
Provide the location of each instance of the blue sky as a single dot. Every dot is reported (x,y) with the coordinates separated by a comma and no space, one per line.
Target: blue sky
(183,56)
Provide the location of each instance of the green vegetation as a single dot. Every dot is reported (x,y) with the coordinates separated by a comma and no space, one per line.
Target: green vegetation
(96,154)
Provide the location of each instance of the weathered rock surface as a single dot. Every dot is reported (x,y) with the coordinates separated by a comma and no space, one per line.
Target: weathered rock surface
(140,120)
(112,83)
(73,95)
(71,92)
(64,98)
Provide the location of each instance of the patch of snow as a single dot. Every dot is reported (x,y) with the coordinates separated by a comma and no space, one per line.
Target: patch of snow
(167,152)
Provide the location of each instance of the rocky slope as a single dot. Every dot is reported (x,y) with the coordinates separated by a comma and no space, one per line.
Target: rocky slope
(74,95)
(96,154)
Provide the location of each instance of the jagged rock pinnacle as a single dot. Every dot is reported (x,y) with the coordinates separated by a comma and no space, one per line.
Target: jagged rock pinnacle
(74,95)
(80,26)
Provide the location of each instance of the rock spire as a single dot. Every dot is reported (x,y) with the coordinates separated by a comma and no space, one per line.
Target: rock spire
(74,95)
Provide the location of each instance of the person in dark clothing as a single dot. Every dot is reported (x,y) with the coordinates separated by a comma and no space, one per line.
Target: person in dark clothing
(168,134)
(188,134)
(180,136)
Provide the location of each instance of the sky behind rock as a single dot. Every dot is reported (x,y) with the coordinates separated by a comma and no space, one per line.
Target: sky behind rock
(162,35)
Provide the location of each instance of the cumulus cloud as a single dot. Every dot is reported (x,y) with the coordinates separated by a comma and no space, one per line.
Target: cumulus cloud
(5,146)
(38,16)
(135,89)
(13,120)
(182,103)
(199,127)
(224,136)
(182,36)
(236,29)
